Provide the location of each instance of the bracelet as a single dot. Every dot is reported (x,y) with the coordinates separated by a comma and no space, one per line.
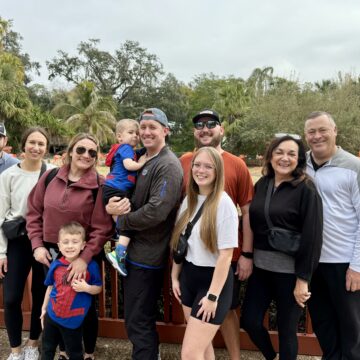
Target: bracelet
(247,254)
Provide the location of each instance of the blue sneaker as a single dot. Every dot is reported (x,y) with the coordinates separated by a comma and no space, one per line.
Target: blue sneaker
(118,263)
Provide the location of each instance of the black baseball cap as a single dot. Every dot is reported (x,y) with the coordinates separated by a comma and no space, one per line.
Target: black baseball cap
(206,113)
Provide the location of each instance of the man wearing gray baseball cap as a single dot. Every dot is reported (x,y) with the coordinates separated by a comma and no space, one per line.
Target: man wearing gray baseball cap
(6,160)
(154,205)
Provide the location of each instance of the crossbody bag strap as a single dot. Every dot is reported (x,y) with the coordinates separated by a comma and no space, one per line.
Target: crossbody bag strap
(267,203)
(192,223)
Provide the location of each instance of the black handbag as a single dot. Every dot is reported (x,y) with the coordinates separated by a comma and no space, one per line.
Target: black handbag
(180,252)
(283,240)
(16,228)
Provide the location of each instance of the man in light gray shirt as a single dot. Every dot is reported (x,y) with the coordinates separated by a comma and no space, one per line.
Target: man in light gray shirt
(335,302)
(6,160)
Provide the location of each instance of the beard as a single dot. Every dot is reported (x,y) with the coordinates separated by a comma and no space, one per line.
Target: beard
(214,142)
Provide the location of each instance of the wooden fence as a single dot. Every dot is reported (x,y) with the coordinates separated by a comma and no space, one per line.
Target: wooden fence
(171,321)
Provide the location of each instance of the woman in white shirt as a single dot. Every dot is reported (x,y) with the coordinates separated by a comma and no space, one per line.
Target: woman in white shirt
(16,258)
(203,282)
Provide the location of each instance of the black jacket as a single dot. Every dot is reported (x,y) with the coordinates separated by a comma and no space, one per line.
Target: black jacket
(154,206)
(293,206)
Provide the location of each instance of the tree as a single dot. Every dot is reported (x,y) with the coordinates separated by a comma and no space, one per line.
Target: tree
(10,43)
(85,110)
(14,100)
(130,68)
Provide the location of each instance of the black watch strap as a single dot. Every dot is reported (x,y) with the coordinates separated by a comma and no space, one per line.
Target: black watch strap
(247,254)
(212,297)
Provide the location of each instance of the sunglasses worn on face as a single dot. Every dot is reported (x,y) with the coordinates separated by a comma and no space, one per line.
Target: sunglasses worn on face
(82,150)
(294,136)
(210,124)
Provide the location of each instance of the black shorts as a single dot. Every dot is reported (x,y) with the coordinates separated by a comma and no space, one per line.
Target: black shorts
(194,284)
(235,302)
(109,192)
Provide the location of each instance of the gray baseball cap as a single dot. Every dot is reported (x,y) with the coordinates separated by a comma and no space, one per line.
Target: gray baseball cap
(2,129)
(154,114)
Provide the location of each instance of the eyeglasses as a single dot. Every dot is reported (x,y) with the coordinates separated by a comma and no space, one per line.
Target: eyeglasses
(82,150)
(210,124)
(294,136)
(207,167)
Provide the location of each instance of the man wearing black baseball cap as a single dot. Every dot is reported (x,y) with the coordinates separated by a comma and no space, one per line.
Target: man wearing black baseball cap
(6,160)
(208,131)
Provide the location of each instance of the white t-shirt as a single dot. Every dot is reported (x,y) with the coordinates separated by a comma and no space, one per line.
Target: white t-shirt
(226,227)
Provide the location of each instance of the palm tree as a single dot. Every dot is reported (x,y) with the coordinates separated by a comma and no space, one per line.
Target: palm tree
(84,110)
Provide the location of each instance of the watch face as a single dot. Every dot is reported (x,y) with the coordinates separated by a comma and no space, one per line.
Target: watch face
(212,297)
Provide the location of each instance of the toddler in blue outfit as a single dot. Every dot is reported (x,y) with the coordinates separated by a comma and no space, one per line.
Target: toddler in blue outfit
(121,180)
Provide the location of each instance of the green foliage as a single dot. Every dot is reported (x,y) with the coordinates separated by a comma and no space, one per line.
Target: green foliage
(10,42)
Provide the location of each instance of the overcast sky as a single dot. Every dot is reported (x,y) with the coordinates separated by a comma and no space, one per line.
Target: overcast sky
(307,40)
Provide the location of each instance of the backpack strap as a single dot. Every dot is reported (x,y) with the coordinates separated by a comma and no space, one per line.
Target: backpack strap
(52,173)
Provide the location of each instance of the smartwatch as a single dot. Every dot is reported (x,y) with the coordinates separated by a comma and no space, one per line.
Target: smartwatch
(212,297)
(247,254)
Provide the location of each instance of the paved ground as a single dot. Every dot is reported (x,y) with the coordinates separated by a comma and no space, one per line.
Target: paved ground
(121,349)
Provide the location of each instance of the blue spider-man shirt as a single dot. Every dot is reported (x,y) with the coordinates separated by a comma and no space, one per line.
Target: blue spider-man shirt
(67,307)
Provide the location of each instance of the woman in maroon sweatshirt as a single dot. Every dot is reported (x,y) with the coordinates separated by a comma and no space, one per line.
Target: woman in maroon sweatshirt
(74,193)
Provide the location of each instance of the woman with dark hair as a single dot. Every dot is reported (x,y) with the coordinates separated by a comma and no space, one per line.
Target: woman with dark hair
(293,204)
(16,258)
(73,194)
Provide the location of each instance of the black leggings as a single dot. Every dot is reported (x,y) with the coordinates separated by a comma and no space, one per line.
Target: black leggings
(264,286)
(20,261)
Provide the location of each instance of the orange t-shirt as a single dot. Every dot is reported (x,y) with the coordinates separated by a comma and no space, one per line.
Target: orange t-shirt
(238,184)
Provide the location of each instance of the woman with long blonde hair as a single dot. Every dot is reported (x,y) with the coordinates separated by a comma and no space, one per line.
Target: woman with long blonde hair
(203,282)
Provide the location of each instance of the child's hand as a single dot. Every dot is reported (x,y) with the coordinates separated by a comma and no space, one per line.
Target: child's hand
(80,285)
(42,318)
(142,159)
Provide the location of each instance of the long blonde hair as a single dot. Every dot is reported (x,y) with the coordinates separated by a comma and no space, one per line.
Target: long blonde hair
(208,233)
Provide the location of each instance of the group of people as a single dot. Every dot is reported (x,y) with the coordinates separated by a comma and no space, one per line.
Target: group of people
(70,214)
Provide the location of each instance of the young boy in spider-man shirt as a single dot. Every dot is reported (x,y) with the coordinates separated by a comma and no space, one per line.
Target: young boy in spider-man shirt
(66,303)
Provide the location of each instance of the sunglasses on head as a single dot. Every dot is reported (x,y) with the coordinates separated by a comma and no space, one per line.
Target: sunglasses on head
(82,150)
(210,124)
(294,136)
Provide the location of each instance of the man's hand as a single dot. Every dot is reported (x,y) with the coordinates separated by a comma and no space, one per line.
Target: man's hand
(116,206)
(244,268)
(352,280)
(3,267)
(42,255)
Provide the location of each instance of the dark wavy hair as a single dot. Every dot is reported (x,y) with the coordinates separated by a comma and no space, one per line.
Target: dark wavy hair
(299,172)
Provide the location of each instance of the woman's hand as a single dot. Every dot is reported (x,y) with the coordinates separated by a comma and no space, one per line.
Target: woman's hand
(301,292)
(116,206)
(176,289)
(3,267)
(207,309)
(42,255)
(77,270)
